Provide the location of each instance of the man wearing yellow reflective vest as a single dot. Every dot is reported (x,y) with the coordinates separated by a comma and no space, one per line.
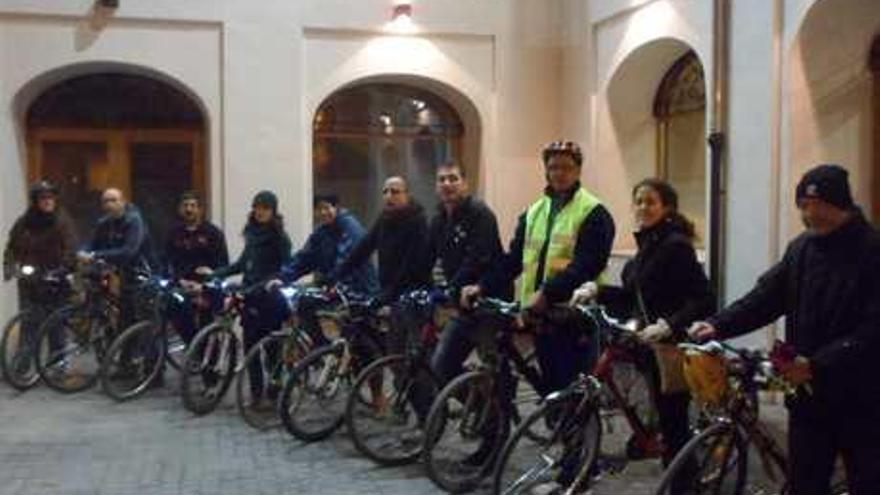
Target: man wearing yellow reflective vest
(562,240)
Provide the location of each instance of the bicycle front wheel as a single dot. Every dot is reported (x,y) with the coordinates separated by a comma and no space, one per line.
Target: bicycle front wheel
(715,462)
(386,415)
(16,352)
(312,404)
(553,449)
(209,367)
(464,432)
(133,361)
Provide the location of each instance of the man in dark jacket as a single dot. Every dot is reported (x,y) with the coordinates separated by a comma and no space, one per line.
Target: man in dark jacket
(464,242)
(121,238)
(399,236)
(337,234)
(563,240)
(828,288)
(193,244)
(42,239)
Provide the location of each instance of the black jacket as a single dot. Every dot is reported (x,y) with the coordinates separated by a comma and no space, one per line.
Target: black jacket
(828,288)
(666,273)
(266,250)
(187,249)
(465,243)
(592,249)
(400,238)
(124,241)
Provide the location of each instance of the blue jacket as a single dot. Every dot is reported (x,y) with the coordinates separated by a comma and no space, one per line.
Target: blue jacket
(124,241)
(326,248)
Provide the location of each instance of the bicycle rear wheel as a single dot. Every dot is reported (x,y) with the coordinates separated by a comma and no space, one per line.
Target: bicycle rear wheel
(209,367)
(554,448)
(312,404)
(133,361)
(16,352)
(276,356)
(387,426)
(465,430)
(70,348)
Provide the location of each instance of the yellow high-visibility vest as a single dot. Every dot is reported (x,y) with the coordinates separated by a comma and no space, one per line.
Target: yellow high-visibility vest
(563,237)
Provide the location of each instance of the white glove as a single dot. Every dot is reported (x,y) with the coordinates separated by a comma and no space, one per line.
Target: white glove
(701,331)
(656,331)
(585,293)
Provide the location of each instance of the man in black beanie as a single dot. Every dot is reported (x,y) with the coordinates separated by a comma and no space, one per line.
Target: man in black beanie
(828,288)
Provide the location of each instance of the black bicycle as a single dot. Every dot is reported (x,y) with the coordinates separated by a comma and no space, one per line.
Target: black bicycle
(387,428)
(21,332)
(470,418)
(313,403)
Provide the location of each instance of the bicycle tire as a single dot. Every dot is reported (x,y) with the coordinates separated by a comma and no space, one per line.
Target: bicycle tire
(482,417)
(322,365)
(10,364)
(54,368)
(407,380)
(578,433)
(127,380)
(289,353)
(704,445)
(215,371)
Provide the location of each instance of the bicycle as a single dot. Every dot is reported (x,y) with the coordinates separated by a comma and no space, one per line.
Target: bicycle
(277,355)
(599,415)
(388,429)
(73,339)
(313,402)
(211,359)
(137,357)
(21,331)
(716,461)
(469,420)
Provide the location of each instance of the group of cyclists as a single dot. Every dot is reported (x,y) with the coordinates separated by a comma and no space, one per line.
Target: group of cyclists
(827,286)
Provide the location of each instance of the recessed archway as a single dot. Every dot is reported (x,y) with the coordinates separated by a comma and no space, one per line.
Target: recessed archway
(652,123)
(834,98)
(377,127)
(105,125)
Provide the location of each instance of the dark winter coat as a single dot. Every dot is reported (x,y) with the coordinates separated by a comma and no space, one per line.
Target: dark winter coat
(327,247)
(400,238)
(187,249)
(124,241)
(44,241)
(466,243)
(828,288)
(592,249)
(671,281)
(266,250)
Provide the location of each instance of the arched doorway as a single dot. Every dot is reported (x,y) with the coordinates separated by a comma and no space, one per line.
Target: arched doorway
(680,111)
(652,123)
(116,129)
(833,97)
(369,131)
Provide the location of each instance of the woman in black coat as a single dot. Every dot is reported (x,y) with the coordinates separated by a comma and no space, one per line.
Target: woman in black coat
(266,249)
(664,287)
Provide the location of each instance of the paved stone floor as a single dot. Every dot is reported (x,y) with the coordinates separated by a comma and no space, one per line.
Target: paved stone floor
(87,444)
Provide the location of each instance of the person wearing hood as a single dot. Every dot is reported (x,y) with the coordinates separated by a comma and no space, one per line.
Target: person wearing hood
(337,233)
(43,238)
(122,239)
(266,250)
(665,288)
(827,286)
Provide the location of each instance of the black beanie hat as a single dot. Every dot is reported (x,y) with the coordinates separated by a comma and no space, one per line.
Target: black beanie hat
(266,198)
(827,182)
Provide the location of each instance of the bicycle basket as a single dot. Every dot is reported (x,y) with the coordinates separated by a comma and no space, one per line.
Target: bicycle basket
(706,377)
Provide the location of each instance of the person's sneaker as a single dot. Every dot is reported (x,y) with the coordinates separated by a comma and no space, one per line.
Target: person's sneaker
(546,488)
(414,436)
